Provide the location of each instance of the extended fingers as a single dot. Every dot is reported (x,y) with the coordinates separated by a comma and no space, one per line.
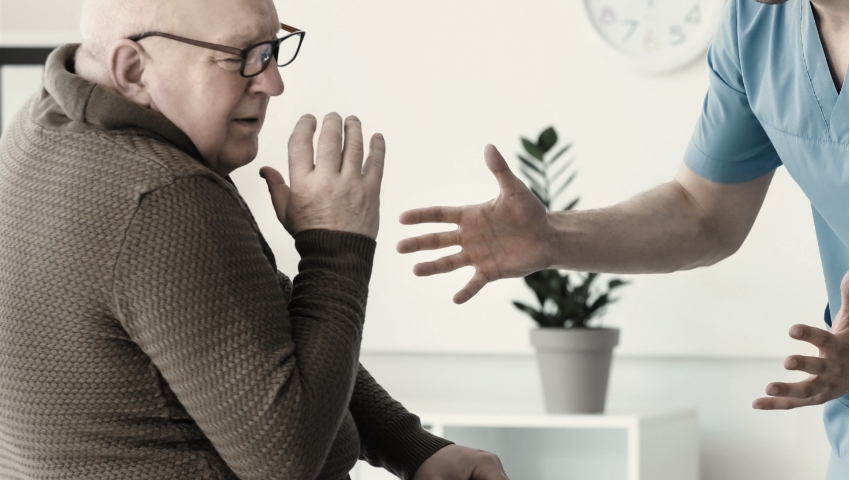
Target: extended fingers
(813,391)
(431,215)
(352,151)
(301,147)
(812,365)
(431,241)
(783,403)
(474,286)
(374,167)
(443,265)
(328,153)
(815,336)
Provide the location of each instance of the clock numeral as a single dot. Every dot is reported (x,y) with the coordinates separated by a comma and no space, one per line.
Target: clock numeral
(650,43)
(694,15)
(608,17)
(678,35)
(633,24)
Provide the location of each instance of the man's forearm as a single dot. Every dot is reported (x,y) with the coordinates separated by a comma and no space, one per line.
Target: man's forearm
(662,230)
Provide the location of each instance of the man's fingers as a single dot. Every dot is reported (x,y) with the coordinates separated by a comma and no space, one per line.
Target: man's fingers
(489,473)
(431,241)
(301,147)
(431,215)
(329,151)
(805,389)
(374,167)
(500,169)
(812,365)
(815,336)
(781,403)
(474,286)
(352,151)
(443,265)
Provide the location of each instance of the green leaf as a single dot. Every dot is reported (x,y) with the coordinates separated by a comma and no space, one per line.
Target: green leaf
(532,165)
(564,167)
(547,139)
(563,187)
(599,303)
(532,149)
(544,201)
(532,177)
(571,205)
(560,152)
(585,287)
(536,283)
(534,314)
(616,283)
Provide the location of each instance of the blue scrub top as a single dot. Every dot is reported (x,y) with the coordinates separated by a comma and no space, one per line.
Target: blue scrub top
(772,102)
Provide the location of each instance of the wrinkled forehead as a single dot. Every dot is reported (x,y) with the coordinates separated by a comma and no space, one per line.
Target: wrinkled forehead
(237,23)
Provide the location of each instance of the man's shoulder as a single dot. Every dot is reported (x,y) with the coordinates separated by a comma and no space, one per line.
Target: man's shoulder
(129,158)
(760,25)
(148,158)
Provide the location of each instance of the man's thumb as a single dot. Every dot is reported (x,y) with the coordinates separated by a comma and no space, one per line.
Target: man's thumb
(500,169)
(278,189)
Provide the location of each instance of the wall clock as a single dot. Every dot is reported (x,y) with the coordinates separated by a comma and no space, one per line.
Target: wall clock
(656,35)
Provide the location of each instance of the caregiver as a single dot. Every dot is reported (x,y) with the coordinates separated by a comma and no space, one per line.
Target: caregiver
(777,96)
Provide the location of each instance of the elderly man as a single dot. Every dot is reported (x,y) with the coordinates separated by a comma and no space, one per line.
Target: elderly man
(777,96)
(144,329)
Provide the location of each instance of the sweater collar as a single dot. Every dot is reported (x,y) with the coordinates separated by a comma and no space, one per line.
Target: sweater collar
(89,103)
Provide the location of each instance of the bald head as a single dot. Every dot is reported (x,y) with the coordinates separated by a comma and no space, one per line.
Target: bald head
(104,22)
(200,90)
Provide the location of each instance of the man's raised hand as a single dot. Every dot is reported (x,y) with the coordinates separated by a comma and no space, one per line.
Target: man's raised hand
(828,371)
(339,191)
(505,237)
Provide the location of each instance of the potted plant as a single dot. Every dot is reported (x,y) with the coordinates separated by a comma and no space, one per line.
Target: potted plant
(574,356)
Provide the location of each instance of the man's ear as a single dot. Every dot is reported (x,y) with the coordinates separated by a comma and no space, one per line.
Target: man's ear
(126,64)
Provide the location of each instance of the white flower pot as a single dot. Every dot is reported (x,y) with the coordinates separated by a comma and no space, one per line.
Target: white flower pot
(574,367)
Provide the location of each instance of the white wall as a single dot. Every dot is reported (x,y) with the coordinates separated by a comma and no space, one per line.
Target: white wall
(440,80)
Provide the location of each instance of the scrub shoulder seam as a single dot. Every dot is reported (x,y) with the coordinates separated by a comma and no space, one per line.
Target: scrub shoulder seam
(803,137)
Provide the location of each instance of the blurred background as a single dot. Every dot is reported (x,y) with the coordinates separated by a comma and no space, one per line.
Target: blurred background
(442,79)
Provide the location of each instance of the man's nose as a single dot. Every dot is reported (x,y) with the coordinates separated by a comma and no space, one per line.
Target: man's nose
(268,82)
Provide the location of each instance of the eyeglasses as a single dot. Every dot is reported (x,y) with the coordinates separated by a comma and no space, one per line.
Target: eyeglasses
(256,58)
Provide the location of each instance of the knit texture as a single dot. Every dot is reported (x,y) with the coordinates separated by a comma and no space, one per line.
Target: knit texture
(145,331)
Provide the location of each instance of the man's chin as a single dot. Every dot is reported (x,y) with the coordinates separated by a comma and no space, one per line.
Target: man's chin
(229,161)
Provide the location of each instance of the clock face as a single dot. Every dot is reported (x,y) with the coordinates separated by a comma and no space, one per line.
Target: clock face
(656,35)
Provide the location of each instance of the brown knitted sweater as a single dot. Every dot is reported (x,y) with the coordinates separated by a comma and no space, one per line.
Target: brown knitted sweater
(144,329)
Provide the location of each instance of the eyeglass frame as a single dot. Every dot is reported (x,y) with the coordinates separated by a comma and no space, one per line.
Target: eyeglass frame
(241,53)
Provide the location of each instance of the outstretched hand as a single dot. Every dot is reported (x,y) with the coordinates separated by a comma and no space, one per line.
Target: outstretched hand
(828,370)
(339,191)
(505,237)
(461,463)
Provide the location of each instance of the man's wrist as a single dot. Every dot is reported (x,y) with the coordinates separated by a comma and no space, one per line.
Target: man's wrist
(559,225)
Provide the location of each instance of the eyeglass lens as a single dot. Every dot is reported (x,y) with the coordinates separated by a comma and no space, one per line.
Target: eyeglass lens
(260,56)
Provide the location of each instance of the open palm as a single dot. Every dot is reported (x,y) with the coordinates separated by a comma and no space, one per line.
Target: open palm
(505,237)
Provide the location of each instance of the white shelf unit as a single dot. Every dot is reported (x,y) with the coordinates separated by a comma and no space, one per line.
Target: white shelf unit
(657,446)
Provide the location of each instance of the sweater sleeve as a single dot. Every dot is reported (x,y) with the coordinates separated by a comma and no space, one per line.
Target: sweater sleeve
(267,383)
(390,436)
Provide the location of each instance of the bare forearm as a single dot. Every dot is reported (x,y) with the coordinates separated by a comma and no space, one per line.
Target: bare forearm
(661,230)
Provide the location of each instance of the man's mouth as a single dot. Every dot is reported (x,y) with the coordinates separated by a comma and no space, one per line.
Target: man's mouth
(249,121)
